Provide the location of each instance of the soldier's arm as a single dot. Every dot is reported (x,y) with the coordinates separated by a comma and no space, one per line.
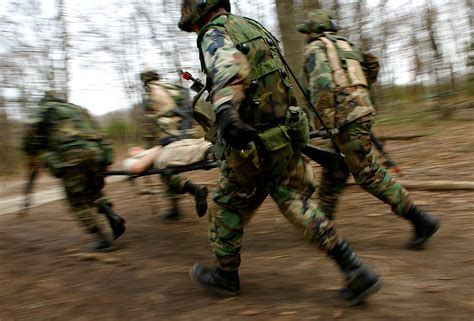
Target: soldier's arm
(318,71)
(228,68)
(319,79)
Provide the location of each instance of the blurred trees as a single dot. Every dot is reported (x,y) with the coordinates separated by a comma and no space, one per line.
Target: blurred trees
(35,57)
(421,44)
(290,14)
(92,51)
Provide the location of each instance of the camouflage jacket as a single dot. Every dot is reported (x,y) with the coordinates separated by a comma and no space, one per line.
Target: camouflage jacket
(168,111)
(57,127)
(243,63)
(335,80)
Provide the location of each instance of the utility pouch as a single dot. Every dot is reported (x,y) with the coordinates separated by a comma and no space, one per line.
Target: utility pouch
(298,128)
(276,149)
(245,163)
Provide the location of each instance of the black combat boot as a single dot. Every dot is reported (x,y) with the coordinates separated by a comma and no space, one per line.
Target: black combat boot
(101,244)
(200,197)
(425,226)
(215,280)
(361,282)
(117,223)
(173,213)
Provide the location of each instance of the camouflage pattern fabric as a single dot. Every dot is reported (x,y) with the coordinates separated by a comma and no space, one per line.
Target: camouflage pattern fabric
(355,143)
(70,146)
(337,86)
(174,184)
(245,178)
(317,22)
(165,106)
(225,64)
(83,180)
(161,101)
(236,201)
(339,96)
(236,52)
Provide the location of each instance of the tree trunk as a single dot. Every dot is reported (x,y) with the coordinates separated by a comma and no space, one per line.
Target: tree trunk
(5,150)
(430,18)
(65,49)
(289,17)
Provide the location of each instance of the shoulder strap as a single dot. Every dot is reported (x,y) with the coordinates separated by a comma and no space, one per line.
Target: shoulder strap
(345,61)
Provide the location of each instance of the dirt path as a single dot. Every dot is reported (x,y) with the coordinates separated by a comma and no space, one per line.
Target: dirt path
(46,190)
(44,275)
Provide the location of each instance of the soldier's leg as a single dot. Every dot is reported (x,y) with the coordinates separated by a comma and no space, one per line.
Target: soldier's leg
(177,184)
(95,196)
(200,196)
(76,185)
(354,141)
(234,205)
(116,222)
(331,186)
(292,194)
(174,186)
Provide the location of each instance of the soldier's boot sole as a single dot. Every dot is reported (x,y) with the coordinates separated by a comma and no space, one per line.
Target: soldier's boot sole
(195,273)
(419,243)
(101,248)
(350,299)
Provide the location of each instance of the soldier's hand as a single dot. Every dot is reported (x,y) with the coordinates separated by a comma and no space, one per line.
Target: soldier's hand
(237,133)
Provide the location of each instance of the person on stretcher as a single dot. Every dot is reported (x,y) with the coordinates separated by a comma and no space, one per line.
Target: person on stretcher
(184,152)
(181,153)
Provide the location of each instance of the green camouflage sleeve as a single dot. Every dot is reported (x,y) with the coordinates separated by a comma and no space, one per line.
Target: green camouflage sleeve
(227,67)
(320,83)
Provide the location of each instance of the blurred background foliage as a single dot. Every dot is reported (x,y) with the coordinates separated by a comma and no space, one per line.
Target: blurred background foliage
(92,53)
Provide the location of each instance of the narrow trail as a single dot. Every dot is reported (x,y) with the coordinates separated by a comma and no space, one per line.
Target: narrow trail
(46,190)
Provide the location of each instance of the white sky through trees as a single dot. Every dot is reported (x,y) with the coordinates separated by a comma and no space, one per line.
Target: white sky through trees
(102,31)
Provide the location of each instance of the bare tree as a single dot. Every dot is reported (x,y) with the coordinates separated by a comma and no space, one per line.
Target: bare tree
(430,16)
(64,37)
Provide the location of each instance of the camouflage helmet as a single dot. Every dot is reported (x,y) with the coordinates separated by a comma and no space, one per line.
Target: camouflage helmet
(51,95)
(319,21)
(192,11)
(149,74)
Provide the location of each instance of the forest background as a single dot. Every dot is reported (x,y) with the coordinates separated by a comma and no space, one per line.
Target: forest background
(92,53)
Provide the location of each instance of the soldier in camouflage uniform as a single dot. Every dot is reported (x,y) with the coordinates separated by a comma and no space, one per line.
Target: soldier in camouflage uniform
(65,139)
(169,119)
(338,89)
(260,135)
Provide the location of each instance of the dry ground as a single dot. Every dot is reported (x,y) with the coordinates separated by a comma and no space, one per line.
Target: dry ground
(44,275)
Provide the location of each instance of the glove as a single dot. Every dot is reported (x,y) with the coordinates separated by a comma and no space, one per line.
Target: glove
(235,132)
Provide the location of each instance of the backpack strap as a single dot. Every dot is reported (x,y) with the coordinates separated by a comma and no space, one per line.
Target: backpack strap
(344,60)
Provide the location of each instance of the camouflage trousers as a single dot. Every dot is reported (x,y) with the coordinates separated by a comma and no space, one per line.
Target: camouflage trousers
(354,142)
(174,184)
(83,180)
(236,201)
